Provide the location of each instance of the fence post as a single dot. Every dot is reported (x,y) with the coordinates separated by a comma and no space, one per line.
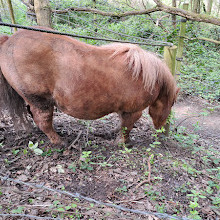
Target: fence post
(43,12)
(181,42)
(11,13)
(170,59)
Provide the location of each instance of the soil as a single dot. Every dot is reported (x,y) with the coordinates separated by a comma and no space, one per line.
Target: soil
(155,177)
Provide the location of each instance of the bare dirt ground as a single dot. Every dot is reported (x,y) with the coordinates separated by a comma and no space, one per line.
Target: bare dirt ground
(166,175)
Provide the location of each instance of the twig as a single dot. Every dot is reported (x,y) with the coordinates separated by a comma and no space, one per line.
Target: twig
(196,116)
(131,200)
(141,183)
(106,162)
(149,174)
(159,24)
(159,19)
(72,145)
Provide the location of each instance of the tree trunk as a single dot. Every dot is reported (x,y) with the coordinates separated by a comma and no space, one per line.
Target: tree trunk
(218,8)
(30,11)
(174,16)
(43,12)
(209,6)
(196,6)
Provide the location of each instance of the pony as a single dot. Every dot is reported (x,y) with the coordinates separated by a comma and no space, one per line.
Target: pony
(39,71)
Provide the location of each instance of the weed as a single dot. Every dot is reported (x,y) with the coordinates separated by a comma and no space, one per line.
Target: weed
(122,189)
(194,203)
(160,207)
(57,206)
(19,210)
(126,150)
(186,139)
(154,195)
(73,167)
(34,148)
(156,142)
(14,151)
(85,160)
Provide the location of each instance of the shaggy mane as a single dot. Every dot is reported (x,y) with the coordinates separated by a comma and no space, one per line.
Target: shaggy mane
(147,64)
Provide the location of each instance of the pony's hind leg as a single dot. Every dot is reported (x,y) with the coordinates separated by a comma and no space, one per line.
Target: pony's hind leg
(127,123)
(42,113)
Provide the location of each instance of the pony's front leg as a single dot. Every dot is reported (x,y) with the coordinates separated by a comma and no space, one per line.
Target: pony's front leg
(44,118)
(127,123)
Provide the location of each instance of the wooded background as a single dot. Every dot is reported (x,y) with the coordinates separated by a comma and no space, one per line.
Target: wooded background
(192,26)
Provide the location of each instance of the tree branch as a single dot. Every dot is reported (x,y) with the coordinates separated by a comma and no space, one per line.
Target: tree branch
(160,7)
(103,13)
(28,5)
(203,38)
(187,14)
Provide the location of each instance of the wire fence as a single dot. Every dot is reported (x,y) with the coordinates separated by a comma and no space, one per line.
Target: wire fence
(77,195)
(91,25)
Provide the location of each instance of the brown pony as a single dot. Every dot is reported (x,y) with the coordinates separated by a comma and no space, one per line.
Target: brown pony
(42,70)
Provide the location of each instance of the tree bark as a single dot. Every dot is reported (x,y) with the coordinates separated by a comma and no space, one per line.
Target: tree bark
(43,12)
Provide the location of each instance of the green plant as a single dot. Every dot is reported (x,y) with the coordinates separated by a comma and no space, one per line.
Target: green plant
(156,142)
(73,167)
(216,200)
(47,153)
(34,148)
(122,189)
(85,160)
(126,150)
(63,209)
(160,207)
(200,71)
(19,210)
(14,151)
(194,203)
(103,164)
(184,137)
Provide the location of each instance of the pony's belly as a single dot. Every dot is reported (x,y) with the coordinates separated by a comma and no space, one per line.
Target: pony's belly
(87,114)
(88,108)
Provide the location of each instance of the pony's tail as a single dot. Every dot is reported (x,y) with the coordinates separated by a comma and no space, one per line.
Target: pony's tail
(11,103)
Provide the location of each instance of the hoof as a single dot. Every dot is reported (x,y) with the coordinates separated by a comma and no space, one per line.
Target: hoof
(60,146)
(121,141)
